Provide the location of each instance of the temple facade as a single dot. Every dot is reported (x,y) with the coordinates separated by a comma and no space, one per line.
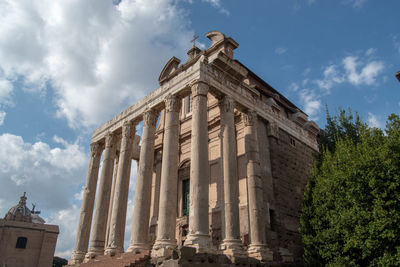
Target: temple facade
(223,160)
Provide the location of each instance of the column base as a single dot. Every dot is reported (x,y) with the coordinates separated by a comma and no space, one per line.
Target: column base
(112,251)
(201,242)
(233,248)
(76,258)
(138,247)
(163,248)
(260,252)
(286,255)
(93,253)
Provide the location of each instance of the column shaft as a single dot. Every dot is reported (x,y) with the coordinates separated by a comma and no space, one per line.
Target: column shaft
(112,198)
(102,200)
(85,219)
(141,212)
(199,171)
(257,248)
(120,202)
(166,240)
(231,242)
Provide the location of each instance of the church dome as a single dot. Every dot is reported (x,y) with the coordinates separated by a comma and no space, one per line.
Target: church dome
(22,213)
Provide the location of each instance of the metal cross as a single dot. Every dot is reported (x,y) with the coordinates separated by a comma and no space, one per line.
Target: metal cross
(194,40)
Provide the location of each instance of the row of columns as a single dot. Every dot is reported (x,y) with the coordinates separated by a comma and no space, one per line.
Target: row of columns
(198,235)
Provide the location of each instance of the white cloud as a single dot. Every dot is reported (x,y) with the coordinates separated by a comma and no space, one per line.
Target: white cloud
(217,4)
(45,173)
(2,117)
(358,3)
(98,57)
(6,89)
(374,121)
(331,77)
(280,50)
(311,103)
(361,75)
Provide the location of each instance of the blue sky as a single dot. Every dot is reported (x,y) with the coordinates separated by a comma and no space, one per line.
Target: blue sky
(67,66)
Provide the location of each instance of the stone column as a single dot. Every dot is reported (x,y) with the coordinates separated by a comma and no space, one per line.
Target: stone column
(85,219)
(120,202)
(257,248)
(155,195)
(141,212)
(231,244)
(112,197)
(166,241)
(198,236)
(102,200)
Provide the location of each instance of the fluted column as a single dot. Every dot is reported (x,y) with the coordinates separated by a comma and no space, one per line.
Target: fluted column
(166,240)
(85,219)
(257,248)
(141,212)
(198,236)
(103,199)
(120,202)
(231,243)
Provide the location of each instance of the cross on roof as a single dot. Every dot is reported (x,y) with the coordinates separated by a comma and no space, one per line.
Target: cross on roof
(194,40)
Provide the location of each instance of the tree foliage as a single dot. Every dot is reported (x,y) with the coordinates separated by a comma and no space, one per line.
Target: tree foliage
(351,207)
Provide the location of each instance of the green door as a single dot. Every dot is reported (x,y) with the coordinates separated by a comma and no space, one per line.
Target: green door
(185,197)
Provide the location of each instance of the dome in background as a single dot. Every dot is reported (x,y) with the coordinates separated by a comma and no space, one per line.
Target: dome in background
(22,213)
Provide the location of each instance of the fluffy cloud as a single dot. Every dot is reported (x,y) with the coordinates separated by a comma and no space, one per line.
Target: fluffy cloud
(366,74)
(374,121)
(280,50)
(98,57)
(311,103)
(351,70)
(217,4)
(45,173)
(2,117)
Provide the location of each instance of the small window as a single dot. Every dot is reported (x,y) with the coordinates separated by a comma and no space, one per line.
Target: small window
(292,141)
(273,222)
(21,242)
(190,101)
(185,197)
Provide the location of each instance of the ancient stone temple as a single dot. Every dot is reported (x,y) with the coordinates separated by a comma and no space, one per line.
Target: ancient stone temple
(25,239)
(222,163)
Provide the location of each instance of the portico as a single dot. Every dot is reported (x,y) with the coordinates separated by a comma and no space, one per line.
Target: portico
(209,112)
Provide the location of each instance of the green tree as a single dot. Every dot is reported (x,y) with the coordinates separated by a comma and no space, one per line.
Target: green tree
(351,207)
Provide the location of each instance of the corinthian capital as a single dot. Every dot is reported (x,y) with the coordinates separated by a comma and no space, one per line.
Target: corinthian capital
(249,118)
(199,88)
(149,118)
(172,103)
(95,150)
(110,139)
(226,104)
(127,129)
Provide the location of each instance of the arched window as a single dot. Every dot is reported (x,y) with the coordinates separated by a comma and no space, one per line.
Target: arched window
(21,242)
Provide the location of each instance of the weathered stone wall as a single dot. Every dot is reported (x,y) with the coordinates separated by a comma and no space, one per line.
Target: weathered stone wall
(291,163)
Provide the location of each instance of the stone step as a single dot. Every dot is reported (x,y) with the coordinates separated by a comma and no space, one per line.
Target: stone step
(128,259)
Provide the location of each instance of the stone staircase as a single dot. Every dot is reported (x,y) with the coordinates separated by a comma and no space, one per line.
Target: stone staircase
(128,259)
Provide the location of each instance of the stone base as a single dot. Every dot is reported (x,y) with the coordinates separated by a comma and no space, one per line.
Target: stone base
(201,242)
(138,247)
(260,252)
(112,251)
(76,258)
(163,249)
(92,254)
(286,255)
(233,249)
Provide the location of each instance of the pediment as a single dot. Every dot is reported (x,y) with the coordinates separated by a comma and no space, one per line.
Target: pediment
(170,67)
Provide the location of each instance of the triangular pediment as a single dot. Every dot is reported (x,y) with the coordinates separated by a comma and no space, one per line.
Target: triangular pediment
(170,67)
